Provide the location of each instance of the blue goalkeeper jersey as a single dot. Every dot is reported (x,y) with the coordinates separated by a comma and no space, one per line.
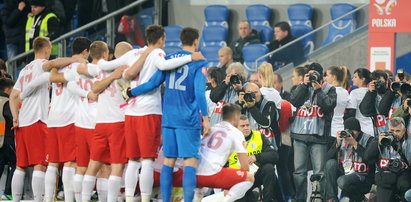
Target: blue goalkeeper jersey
(184,95)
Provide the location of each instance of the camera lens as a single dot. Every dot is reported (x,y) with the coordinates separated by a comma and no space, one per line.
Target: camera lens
(235,79)
(249,96)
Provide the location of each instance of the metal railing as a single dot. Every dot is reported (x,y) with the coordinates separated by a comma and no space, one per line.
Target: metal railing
(306,35)
(61,41)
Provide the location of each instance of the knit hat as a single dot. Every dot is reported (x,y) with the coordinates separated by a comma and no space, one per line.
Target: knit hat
(38,3)
(316,67)
(352,124)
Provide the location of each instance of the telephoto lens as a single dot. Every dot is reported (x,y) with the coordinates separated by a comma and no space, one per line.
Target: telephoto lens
(387,140)
(235,79)
(249,96)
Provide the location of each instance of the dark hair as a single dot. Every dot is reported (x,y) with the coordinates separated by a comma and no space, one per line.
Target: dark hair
(188,35)
(279,77)
(80,44)
(340,72)
(6,83)
(216,75)
(301,71)
(377,74)
(284,26)
(229,110)
(154,33)
(110,50)
(41,42)
(2,64)
(364,73)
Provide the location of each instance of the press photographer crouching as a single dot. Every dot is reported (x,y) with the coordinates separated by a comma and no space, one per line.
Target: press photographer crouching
(345,166)
(262,113)
(389,152)
(315,101)
(227,91)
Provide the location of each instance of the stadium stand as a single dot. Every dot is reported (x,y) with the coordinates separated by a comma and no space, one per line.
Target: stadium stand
(173,43)
(300,16)
(259,16)
(342,27)
(251,53)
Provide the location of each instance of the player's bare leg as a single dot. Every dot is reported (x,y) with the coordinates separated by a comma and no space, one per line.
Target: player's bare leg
(114,182)
(50,181)
(131,178)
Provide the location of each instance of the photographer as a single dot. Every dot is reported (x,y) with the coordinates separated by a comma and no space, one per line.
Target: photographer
(227,91)
(370,104)
(388,151)
(261,113)
(315,103)
(345,166)
(261,153)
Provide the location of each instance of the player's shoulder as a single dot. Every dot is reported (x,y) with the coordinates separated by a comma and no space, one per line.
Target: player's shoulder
(158,52)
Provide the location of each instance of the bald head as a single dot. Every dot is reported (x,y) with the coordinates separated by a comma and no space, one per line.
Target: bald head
(252,87)
(121,48)
(225,56)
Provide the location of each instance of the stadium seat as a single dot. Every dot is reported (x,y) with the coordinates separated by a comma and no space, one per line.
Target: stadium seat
(211,54)
(171,49)
(173,36)
(251,53)
(342,27)
(300,16)
(258,14)
(214,35)
(216,15)
(266,33)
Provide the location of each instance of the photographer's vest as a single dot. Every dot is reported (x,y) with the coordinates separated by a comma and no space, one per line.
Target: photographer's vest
(407,145)
(388,153)
(379,120)
(350,160)
(394,106)
(229,97)
(309,119)
(3,101)
(31,24)
(254,146)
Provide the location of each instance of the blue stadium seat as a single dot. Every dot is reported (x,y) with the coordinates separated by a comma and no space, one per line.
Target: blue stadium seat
(300,14)
(214,35)
(340,28)
(173,35)
(266,33)
(211,54)
(258,14)
(171,49)
(251,53)
(216,15)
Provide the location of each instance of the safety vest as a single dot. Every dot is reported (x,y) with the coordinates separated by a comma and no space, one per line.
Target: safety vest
(254,146)
(3,101)
(43,31)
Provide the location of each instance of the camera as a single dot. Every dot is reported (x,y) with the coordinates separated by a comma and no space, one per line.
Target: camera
(400,74)
(396,86)
(315,76)
(345,133)
(388,139)
(405,90)
(249,96)
(395,165)
(235,79)
(380,86)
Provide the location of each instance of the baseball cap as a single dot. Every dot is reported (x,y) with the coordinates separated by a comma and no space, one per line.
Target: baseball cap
(38,3)
(352,124)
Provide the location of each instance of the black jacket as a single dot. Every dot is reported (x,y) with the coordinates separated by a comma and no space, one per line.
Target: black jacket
(14,22)
(327,102)
(372,152)
(268,154)
(269,113)
(9,135)
(293,53)
(217,93)
(238,45)
(386,102)
(367,105)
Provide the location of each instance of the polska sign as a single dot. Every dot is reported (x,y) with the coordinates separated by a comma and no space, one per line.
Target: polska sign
(390,16)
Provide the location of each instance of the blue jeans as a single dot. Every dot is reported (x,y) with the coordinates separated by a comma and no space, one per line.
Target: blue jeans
(302,152)
(11,50)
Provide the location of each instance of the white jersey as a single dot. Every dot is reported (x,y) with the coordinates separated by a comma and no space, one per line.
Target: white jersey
(109,101)
(273,95)
(218,146)
(86,111)
(35,107)
(210,104)
(356,97)
(63,103)
(343,99)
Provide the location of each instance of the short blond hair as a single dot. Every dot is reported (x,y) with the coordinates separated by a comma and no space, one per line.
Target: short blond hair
(266,71)
(239,69)
(97,49)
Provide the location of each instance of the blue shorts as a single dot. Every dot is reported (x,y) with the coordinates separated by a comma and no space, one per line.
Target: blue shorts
(181,143)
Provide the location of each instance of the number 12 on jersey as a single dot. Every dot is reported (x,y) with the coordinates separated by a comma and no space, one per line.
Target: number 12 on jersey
(176,84)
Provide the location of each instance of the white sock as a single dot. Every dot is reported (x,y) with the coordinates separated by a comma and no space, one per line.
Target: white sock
(146,177)
(67,178)
(114,185)
(17,184)
(88,186)
(238,191)
(102,188)
(50,182)
(77,184)
(131,177)
(37,184)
